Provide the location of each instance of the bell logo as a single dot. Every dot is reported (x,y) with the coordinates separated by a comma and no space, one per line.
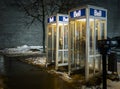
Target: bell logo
(77,13)
(65,19)
(97,13)
(51,19)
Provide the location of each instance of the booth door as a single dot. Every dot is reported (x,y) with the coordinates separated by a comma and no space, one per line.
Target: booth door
(51,43)
(63,44)
(97,32)
(77,43)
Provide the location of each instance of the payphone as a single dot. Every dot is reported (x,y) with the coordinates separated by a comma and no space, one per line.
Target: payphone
(57,40)
(87,24)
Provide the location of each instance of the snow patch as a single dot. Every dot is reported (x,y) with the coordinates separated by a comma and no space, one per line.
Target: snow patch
(37,61)
(22,49)
(113,84)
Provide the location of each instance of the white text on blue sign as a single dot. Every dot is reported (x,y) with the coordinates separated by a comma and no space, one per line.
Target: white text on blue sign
(63,18)
(52,19)
(78,13)
(97,12)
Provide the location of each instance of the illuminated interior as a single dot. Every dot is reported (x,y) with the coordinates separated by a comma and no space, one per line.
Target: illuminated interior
(57,42)
(63,44)
(97,32)
(77,37)
(51,43)
(78,46)
(87,25)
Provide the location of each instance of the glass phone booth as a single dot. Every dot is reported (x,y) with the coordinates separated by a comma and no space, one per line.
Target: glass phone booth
(57,40)
(87,24)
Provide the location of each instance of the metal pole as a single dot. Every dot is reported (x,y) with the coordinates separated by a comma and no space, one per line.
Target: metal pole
(104,70)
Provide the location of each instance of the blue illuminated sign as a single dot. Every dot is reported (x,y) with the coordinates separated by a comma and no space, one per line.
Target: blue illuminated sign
(97,13)
(52,19)
(78,13)
(63,18)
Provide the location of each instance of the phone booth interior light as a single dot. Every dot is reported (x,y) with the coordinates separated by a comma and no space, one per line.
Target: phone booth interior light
(57,40)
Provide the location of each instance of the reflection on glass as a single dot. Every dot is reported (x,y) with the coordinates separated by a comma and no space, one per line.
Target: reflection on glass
(72,26)
(65,56)
(51,42)
(63,43)
(92,36)
(94,64)
(60,57)
(97,32)
(60,37)
(54,42)
(54,37)
(65,36)
(78,32)
(50,38)
(49,56)
(103,30)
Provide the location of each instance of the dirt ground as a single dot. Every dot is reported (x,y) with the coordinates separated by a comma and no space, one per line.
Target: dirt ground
(2,80)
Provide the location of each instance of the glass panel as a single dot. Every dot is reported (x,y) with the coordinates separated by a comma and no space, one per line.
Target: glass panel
(102,29)
(91,63)
(65,56)
(98,63)
(91,36)
(60,37)
(65,36)
(63,43)
(72,26)
(49,37)
(94,64)
(49,56)
(54,36)
(83,43)
(60,56)
(54,42)
(78,36)
(77,42)
(97,33)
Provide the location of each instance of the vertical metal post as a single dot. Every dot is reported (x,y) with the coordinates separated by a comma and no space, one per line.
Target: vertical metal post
(94,45)
(57,42)
(63,43)
(99,38)
(87,45)
(52,42)
(75,53)
(47,46)
(104,70)
(69,48)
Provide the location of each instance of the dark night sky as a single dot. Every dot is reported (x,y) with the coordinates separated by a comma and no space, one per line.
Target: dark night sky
(14,33)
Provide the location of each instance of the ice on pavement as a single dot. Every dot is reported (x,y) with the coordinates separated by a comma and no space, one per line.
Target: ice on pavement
(22,49)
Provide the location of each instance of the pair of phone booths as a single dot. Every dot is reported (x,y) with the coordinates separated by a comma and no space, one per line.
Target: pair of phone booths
(72,39)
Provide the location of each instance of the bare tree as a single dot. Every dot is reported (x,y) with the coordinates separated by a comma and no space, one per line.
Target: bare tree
(38,10)
(41,9)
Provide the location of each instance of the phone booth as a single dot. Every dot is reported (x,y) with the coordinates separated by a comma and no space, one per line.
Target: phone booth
(57,40)
(87,24)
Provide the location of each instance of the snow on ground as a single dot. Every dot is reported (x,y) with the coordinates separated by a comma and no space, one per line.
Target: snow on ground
(37,61)
(113,84)
(22,49)
(63,75)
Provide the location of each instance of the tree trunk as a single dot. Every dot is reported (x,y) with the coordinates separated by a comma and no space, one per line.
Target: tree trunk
(43,25)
